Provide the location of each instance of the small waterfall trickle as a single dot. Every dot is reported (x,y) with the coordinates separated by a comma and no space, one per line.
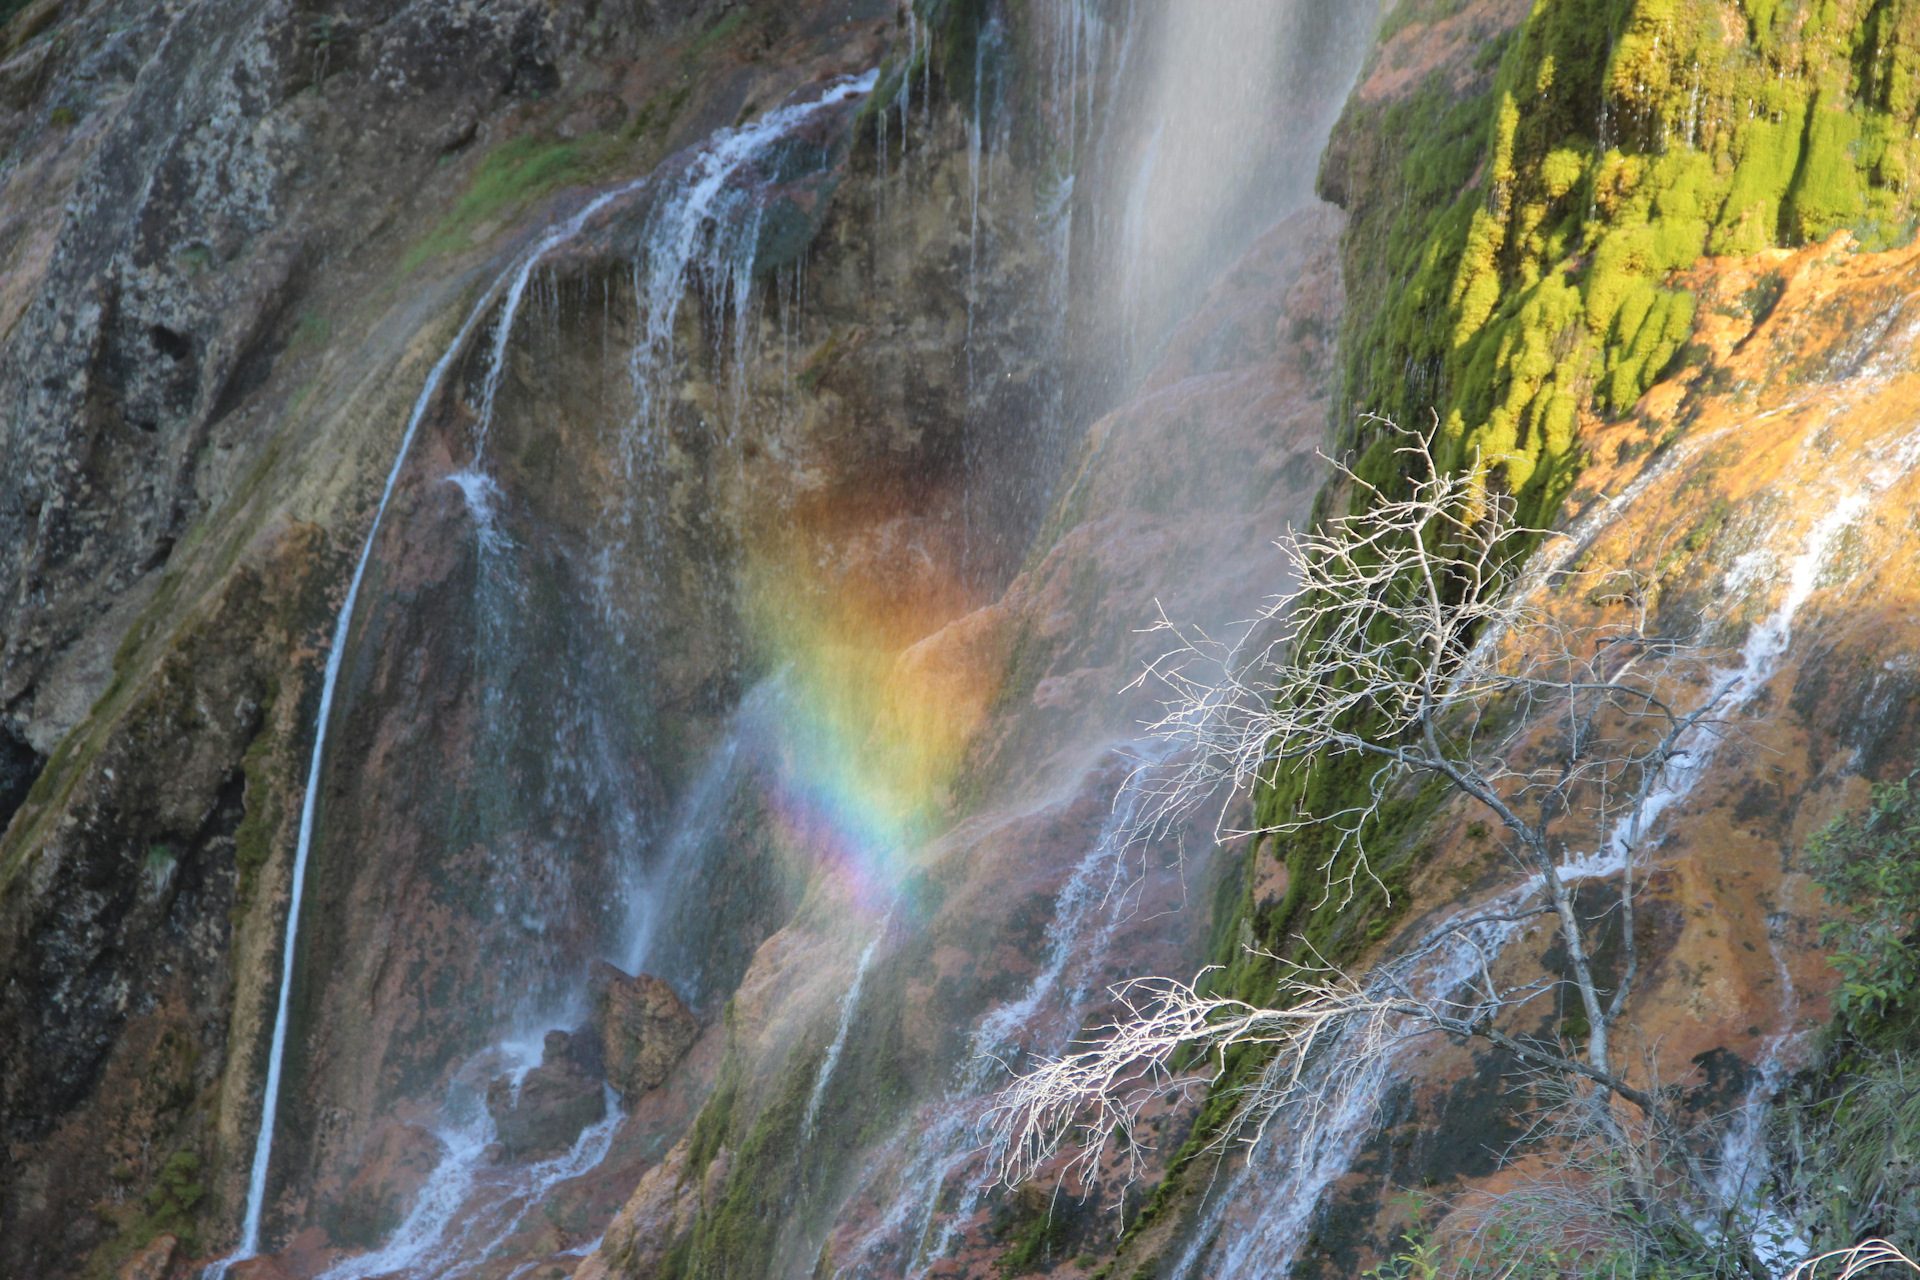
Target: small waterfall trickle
(849,1005)
(1272,1197)
(451,1226)
(249,1246)
(1089,907)
(697,237)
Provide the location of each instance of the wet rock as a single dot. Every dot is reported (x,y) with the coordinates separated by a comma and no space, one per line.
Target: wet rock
(390,1176)
(151,1263)
(655,1221)
(263,1268)
(555,1101)
(644,1029)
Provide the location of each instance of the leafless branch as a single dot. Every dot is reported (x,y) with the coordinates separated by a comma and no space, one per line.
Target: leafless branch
(1857,1261)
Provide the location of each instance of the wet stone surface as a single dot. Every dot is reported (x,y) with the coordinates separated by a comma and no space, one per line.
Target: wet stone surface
(555,1101)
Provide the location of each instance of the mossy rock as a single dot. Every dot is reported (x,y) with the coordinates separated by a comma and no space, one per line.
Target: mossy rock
(1533,224)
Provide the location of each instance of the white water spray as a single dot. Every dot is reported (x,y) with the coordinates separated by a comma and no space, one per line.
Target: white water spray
(1287,1183)
(270,1102)
(849,1004)
(686,222)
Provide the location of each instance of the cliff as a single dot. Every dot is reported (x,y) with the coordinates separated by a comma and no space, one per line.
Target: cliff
(685,486)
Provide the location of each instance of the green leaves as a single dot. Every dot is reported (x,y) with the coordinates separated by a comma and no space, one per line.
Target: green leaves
(1869,866)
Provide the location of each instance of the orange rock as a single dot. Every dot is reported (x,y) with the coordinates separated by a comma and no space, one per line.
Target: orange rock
(644,1028)
(151,1263)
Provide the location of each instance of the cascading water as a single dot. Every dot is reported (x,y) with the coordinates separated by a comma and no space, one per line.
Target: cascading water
(270,1101)
(849,1005)
(703,233)
(1260,1218)
(1097,897)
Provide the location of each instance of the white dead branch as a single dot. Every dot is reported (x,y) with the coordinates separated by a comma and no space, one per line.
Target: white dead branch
(1868,1255)
(1403,643)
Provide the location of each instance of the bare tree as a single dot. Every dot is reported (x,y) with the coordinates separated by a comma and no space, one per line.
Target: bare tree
(1405,643)
(1868,1255)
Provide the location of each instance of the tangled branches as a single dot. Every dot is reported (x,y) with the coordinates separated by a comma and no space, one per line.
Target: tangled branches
(1404,644)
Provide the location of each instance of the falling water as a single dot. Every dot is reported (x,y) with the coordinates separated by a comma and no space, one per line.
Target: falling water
(1096,898)
(849,1004)
(1744,1169)
(707,237)
(461,1198)
(1284,1184)
(682,227)
(270,1100)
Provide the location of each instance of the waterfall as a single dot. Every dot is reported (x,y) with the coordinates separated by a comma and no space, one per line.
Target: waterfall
(270,1100)
(707,237)
(1095,899)
(1282,1184)
(849,1003)
(682,225)
(460,1200)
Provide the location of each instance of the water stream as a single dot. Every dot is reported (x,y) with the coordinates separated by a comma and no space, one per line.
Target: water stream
(270,1099)
(1257,1221)
(951,1143)
(702,234)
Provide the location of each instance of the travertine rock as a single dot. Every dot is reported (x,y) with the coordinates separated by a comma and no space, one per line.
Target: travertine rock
(644,1028)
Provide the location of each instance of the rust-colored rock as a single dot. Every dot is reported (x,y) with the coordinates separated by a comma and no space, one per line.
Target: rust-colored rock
(383,1188)
(644,1029)
(656,1220)
(151,1263)
(555,1101)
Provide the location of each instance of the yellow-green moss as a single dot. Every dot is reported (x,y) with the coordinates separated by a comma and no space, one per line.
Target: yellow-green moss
(265,810)
(508,178)
(1618,142)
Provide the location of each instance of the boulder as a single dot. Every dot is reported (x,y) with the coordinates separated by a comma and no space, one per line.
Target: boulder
(556,1100)
(644,1029)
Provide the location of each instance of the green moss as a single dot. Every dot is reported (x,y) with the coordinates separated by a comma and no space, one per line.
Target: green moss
(511,176)
(1530,248)
(657,114)
(727,26)
(265,808)
(170,1207)
(1044,1239)
(1847,1131)
(736,1237)
(956,26)
(711,1126)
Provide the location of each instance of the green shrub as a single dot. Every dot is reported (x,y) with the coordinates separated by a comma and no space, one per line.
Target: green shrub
(1869,866)
(1847,1130)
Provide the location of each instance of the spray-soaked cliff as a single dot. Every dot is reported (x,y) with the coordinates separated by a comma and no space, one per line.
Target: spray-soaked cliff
(475,474)
(576,571)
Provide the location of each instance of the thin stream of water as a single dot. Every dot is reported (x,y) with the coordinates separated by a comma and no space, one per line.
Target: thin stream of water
(249,1246)
(1088,909)
(849,1005)
(688,221)
(1287,1184)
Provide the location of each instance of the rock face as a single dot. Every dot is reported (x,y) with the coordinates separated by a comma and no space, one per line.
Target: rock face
(235,237)
(545,1112)
(383,1188)
(152,1262)
(644,1029)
